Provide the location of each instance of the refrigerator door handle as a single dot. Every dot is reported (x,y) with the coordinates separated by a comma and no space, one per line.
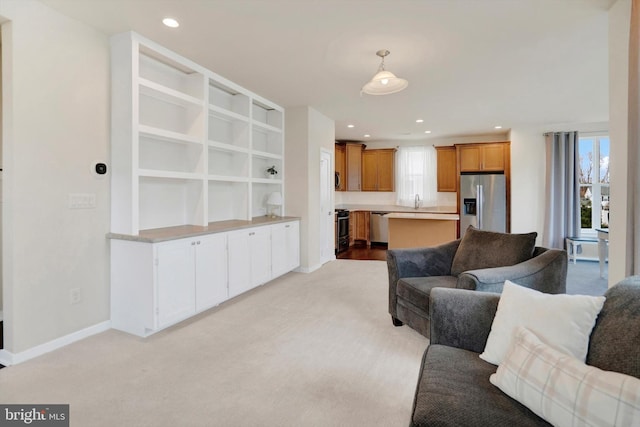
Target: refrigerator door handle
(479,207)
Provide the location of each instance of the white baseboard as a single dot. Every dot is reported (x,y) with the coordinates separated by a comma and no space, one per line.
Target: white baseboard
(308,269)
(7,358)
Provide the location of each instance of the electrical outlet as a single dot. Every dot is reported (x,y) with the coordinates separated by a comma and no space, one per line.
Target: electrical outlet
(76,296)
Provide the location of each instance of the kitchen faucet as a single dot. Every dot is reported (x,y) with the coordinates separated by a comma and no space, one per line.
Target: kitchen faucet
(416,202)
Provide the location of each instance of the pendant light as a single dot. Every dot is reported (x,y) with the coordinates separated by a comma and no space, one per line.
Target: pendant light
(384,82)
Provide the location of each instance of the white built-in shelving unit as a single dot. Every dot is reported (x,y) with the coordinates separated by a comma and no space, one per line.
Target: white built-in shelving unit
(189,147)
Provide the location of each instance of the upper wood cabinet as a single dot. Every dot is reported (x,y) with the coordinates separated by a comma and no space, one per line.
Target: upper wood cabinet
(378,169)
(354,166)
(341,168)
(447,171)
(491,157)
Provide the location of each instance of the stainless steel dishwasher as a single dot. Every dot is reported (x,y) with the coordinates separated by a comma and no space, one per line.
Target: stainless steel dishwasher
(379,227)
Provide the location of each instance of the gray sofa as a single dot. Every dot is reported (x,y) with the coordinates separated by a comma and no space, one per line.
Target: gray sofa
(453,387)
(480,261)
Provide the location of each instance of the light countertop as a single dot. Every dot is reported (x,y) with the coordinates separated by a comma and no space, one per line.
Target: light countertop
(423,215)
(182,231)
(395,208)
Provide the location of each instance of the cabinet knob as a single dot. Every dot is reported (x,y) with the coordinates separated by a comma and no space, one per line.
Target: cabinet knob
(198,242)
(287,226)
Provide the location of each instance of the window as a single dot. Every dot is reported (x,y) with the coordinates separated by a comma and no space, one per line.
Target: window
(593,178)
(416,174)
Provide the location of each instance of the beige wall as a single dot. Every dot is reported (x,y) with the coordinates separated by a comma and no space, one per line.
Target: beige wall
(56,103)
(527,181)
(306,132)
(619,19)
(528,173)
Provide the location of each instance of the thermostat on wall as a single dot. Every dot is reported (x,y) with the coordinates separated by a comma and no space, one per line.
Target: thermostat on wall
(100,168)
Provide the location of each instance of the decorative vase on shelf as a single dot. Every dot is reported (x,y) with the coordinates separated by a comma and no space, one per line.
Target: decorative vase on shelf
(272,172)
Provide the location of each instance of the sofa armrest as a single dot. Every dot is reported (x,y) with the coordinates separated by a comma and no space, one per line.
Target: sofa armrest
(546,272)
(418,262)
(462,318)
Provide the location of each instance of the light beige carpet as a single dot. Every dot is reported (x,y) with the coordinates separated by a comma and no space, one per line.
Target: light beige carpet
(304,350)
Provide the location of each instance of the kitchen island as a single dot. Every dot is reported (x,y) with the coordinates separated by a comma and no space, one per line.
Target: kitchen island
(420,229)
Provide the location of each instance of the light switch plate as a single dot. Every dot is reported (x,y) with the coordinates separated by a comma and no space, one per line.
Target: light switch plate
(82,201)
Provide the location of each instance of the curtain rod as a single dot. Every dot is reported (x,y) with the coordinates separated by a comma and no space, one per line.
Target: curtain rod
(564,131)
(591,132)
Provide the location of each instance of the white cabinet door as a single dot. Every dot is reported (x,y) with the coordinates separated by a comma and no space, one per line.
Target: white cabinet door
(285,247)
(239,262)
(293,244)
(260,247)
(211,270)
(175,282)
(249,254)
(279,263)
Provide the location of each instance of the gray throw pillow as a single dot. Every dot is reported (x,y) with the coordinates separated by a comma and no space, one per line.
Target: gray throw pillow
(488,249)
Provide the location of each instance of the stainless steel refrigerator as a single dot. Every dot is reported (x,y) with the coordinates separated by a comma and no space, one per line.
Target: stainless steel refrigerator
(483,202)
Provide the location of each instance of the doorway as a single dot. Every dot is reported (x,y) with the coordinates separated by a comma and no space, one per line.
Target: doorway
(327,232)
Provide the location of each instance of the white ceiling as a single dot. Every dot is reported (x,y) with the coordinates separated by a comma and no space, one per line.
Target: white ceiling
(471,64)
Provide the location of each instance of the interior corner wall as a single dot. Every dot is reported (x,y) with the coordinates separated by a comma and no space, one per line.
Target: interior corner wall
(619,24)
(528,173)
(56,100)
(296,177)
(527,181)
(307,131)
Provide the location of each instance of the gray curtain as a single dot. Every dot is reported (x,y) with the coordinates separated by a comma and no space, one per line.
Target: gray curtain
(562,204)
(632,262)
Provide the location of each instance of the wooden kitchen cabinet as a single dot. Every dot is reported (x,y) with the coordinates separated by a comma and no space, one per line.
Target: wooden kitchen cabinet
(359,227)
(488,157)
(353,160)
(447,170)
(378,170)
(341,167)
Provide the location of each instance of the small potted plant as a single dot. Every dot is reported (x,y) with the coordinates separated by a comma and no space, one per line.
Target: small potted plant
(272,172)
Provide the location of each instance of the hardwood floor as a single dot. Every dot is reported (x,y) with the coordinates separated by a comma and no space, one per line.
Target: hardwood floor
(376,252)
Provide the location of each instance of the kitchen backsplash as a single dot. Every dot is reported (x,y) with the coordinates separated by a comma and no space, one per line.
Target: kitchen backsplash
(383,198)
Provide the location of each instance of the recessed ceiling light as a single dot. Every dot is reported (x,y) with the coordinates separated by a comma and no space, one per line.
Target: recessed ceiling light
(367,135)
(419,121)
(497,127)
(427,131)
(350,126)
(170,22)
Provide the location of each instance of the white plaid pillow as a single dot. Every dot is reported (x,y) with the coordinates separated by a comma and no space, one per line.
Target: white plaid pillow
(563,390)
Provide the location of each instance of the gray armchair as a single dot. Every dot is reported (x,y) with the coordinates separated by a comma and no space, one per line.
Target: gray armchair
(481,261)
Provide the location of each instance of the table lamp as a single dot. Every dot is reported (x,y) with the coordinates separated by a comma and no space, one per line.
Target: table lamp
(274,200)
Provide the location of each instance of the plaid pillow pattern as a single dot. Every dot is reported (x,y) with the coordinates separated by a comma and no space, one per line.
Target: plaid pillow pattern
(562,389)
